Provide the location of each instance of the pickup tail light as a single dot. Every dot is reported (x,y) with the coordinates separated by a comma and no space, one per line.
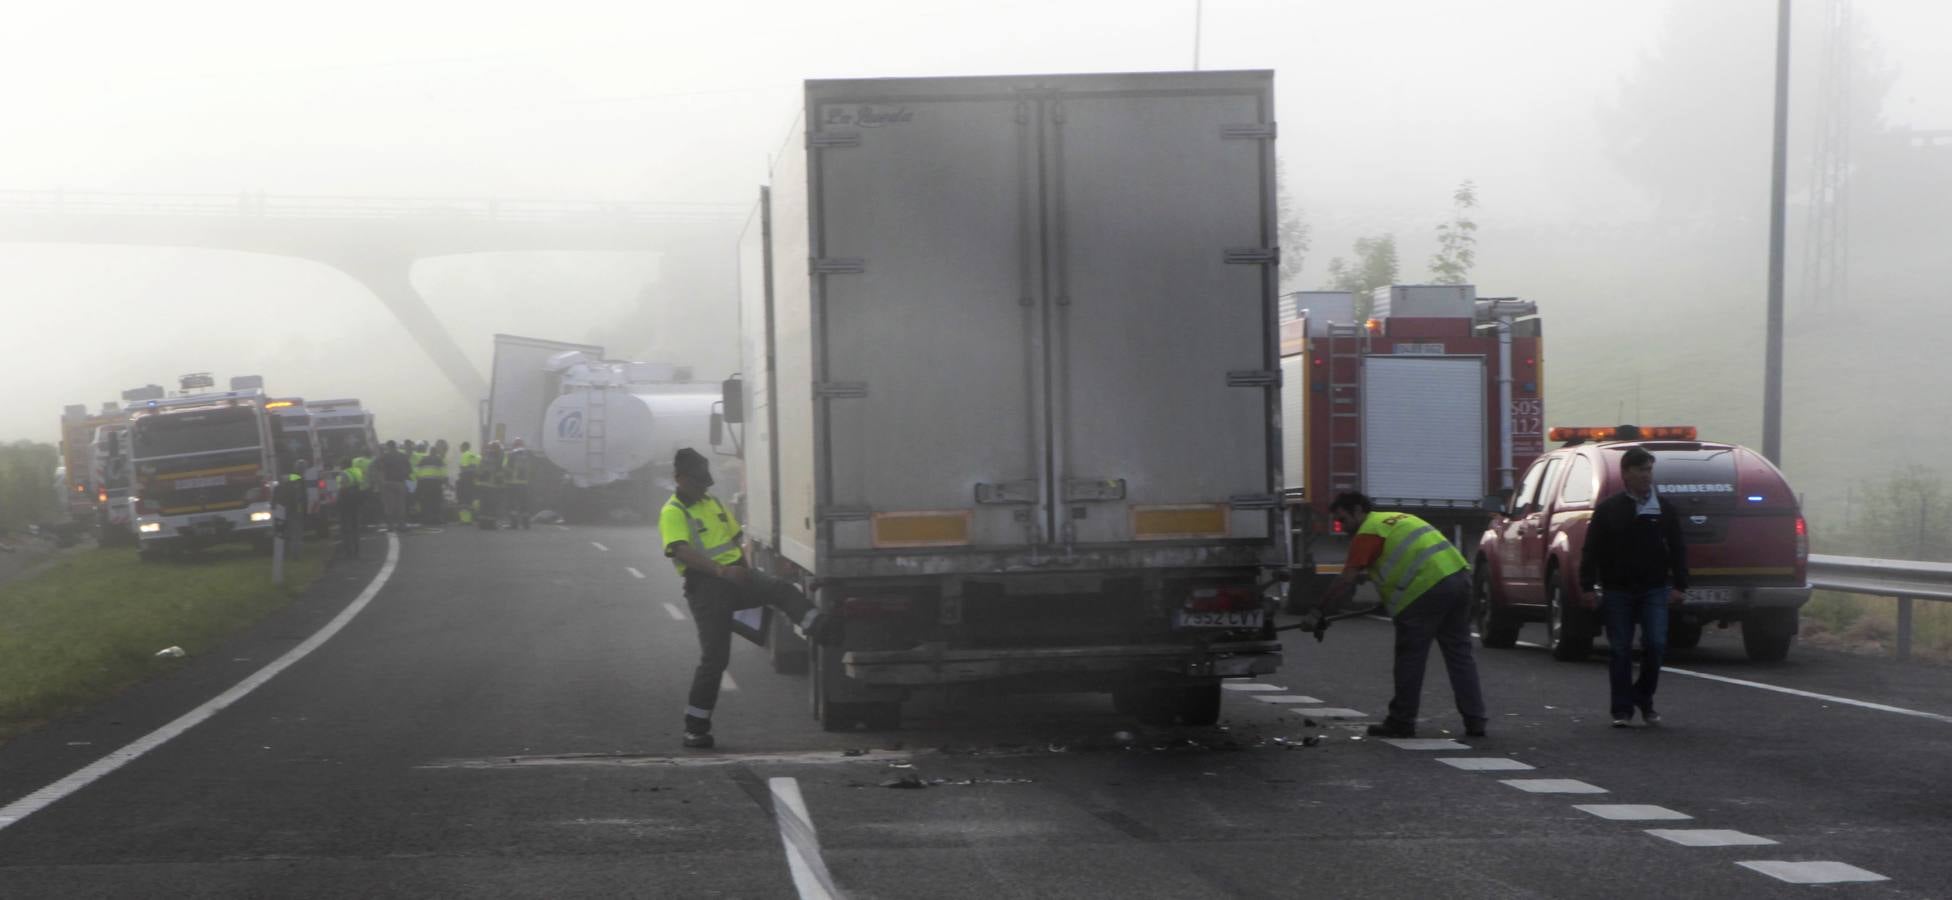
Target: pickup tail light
(1802,542)
(1223,599)
(876,605)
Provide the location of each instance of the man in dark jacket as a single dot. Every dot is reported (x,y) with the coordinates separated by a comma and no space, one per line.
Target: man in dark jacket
(1635,558)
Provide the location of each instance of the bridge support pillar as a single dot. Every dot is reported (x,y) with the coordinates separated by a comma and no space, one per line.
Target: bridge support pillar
(391,280)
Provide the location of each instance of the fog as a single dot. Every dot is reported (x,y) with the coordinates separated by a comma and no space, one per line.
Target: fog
(1620,152)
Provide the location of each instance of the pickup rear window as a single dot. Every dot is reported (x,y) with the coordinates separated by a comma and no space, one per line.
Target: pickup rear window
(1695,473)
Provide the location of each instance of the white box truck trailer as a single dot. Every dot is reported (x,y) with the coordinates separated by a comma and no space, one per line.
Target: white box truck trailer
(1011,394)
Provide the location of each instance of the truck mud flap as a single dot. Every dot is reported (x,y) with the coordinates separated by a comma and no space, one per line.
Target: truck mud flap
(938,665)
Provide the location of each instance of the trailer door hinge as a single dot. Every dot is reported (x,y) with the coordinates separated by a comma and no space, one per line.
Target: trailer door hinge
(1254,378)
(1020,492)
(840,390)
(1259,131)
(828,140)
(840,265)
(1254,501)
(1254,256)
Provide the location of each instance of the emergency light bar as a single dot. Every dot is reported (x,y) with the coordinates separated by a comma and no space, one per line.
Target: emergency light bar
(1613,433)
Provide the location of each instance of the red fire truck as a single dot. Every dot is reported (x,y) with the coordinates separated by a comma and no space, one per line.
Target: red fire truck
(1428,404)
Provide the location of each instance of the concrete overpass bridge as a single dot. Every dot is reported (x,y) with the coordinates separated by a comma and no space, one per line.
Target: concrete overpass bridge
(377,240)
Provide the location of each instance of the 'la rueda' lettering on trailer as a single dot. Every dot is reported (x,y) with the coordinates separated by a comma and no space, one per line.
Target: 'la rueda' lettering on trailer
(867,116)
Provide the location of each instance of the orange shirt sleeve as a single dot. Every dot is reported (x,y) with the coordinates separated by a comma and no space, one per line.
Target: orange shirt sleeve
(1363,551)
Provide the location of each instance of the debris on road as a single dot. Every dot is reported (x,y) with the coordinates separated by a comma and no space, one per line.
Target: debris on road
(172,653)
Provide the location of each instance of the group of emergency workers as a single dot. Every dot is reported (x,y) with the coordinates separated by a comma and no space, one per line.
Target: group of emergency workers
(406,483)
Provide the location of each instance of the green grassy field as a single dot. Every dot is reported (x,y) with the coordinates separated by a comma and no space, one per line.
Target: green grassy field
(90,626)
(1862,624)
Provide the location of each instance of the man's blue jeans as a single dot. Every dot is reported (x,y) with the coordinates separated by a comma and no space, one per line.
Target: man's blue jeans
(1623,610)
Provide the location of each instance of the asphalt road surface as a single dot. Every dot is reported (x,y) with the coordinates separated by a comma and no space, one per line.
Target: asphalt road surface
(501,719)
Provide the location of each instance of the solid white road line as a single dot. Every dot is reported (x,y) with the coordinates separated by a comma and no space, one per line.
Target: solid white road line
(725,682)
(1632,812)
(598,546)
(1483,763)
(81,778)
(633,572)
(673,609)
(1811,872)
(810,875)
(1828,698)
(1709,837)
(1553,786)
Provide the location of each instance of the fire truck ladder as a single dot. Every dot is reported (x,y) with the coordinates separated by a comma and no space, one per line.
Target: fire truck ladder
(1345,346)
(595,428)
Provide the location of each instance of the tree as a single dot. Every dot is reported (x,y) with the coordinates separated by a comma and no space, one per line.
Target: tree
(1457,239)
(1291,230)
(1375,267)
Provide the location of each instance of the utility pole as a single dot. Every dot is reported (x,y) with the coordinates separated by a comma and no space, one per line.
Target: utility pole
(1772,365)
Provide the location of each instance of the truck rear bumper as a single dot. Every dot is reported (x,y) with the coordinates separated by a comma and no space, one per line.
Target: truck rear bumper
(938,665)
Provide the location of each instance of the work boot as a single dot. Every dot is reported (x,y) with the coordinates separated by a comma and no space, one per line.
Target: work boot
(1392,729)
(1474,728)
(821,628)
(697,741)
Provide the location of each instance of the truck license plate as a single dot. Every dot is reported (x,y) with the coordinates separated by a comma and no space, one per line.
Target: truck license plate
(1710,595)
(1233,619)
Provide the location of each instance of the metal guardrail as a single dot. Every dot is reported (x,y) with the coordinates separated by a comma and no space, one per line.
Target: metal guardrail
(295,206)
(1903,579)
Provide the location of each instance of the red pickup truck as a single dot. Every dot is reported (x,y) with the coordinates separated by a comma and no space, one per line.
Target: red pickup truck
(1747,542)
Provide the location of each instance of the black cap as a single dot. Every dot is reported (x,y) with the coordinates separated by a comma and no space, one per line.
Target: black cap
(693,464)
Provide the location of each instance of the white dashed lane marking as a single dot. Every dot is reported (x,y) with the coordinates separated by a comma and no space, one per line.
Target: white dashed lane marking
(1811,872)
(1285,698)
(1632,812)
(1483,763)
(1251,686)
(633,572)
(598,546)
(1425,744)
(673,609)
(1708,837)
(1332,712)
(1553,786)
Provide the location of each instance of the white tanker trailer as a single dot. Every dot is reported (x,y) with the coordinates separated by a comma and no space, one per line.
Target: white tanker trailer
(615,427)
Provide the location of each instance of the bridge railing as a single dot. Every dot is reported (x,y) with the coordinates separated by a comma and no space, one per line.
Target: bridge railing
(1905,580)
(302,206)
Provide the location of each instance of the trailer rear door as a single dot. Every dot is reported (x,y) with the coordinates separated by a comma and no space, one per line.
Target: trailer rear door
(1423,429)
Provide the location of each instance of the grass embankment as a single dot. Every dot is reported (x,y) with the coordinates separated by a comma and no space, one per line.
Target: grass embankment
(1861,624)
(90,626)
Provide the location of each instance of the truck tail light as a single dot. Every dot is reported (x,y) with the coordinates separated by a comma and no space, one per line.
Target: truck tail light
(875,605)
(1335,526)
(101,496)
(1223,599)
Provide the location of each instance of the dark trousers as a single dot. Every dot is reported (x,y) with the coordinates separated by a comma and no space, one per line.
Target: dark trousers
(712,602)
(431,492)
(1624,610)
(349,502)
(1443,615)
(518,503)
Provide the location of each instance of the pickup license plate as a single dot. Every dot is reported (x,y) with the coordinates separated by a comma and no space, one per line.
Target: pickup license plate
(1232,619)
(1710,595)
(184,484)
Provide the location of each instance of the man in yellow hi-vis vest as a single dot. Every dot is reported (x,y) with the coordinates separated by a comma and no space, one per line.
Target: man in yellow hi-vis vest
(705,542)
(1426,588)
